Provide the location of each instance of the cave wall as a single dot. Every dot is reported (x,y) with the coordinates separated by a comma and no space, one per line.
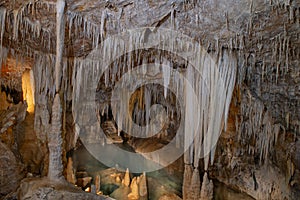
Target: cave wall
(264,117)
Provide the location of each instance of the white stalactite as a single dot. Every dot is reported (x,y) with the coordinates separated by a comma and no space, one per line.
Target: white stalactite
(60,35)
(3,55)
(206,93)
(2,22)
(103,21)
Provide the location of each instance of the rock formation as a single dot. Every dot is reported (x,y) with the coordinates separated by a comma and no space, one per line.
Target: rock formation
(11,171)
(187,179)
(126,180)
(195,185)
(134,194)
(97,183)
(45,189)
(55,171)
(143,190)
(206,188)
(70,172)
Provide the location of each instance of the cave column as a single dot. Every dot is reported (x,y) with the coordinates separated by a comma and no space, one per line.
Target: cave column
(55,140)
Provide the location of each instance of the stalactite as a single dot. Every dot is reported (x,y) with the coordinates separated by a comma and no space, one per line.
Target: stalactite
(60,35)
(44,92)
(167,75)
(16,24)
(259,125)
(287,54)
(103,22)
(203,99)
(90,30)
(2,22)
(22,24)
(3,57)
(55,170)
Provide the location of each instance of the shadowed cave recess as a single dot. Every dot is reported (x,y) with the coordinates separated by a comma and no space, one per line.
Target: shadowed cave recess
(150,100)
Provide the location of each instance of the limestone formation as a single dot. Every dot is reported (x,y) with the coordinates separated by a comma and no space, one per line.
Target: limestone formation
(97,183)
(70,172)
(118,179)
(206,188)
(134,195)
(60,36)
(187,180)
(195,185)
(126,179)
(142,183)
(55,171)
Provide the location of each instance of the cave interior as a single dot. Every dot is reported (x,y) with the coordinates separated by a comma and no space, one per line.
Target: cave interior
(142,99)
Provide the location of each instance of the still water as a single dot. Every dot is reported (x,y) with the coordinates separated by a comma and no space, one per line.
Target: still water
(159,182)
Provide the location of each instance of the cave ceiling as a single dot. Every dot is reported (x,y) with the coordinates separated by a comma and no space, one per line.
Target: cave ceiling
(208,20)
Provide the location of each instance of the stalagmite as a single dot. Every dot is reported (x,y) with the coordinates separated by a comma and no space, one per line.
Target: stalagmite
(206,189)
(97,183)
(70,172)
(187,179)
(55,170)
(134,195)
(118,179)
(60,35)
(195,185)
(127,178)
(143,191)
